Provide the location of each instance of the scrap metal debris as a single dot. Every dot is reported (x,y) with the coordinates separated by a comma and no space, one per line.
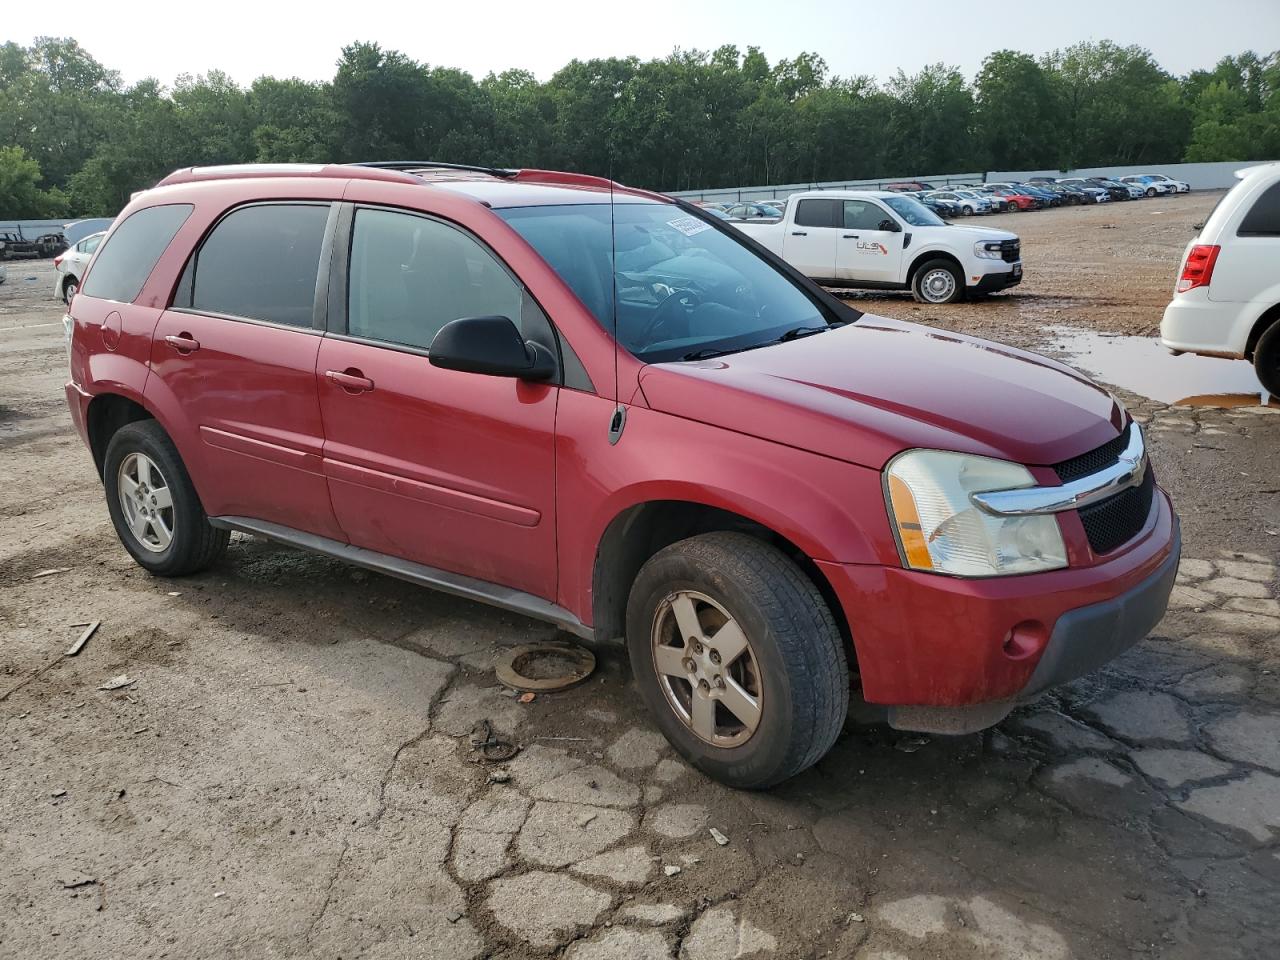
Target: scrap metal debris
(719,837)
(90,629)
(492,748)
(544,667)
(119,683)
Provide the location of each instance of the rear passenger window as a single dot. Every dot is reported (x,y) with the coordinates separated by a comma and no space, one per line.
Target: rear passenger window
(411,275)
(1263,220)
(259,263)
(136,245)
(818,213)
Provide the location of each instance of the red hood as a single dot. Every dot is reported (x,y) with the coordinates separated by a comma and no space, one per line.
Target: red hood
(865,392)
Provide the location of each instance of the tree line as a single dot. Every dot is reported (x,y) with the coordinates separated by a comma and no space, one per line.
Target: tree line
(77,140)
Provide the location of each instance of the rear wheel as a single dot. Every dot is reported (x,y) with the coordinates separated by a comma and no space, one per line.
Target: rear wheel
(1266,359)
(1151,191)
(69,289)
(938,281)
(153,504)
(738,658)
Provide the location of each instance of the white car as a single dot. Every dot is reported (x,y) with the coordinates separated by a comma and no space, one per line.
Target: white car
(69,267)
(888,241)
(1179,186)
(1147,186)
(970,203)
(1227,299)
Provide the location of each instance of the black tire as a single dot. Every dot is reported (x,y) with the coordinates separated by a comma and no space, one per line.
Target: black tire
(195,544)
(923,276)
(69,288)
(1151,191)
(1266,359)
(793,637)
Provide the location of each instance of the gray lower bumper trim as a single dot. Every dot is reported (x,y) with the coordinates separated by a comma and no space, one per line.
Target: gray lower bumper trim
(1085,639)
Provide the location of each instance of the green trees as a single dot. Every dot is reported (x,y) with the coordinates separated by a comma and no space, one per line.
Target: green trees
(690,119)
(19,190)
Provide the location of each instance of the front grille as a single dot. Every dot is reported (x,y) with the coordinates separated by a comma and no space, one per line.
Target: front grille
(1010,250)
(1093,461)
(1118,519)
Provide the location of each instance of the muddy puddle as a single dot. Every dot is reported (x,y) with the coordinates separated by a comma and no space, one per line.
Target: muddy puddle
(1143,366)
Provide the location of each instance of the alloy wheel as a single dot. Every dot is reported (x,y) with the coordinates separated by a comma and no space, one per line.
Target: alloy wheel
(707,669)
(146,502)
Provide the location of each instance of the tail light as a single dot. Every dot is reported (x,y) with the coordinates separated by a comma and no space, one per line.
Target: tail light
(56,261)
(1197,269)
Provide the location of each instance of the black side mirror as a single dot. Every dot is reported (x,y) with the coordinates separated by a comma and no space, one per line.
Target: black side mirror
(890,225)
(492,346)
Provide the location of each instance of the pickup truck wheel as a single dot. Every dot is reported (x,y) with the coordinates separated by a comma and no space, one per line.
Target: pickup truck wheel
(1266,359)
(738,658)
(153,504)
(937,281)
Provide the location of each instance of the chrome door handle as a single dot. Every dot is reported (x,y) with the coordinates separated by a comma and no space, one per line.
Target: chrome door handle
(183,342)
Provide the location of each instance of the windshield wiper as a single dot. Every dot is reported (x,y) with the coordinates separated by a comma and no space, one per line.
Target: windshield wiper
(793,334)
(797,332)
(706,354)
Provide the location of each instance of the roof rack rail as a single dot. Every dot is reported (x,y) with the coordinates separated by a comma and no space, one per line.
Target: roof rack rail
(406,165)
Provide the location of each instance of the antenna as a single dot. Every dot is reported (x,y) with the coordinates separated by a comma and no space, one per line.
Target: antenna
(619,418)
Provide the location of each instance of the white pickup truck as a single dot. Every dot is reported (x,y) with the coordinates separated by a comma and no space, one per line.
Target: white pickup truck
(864,238)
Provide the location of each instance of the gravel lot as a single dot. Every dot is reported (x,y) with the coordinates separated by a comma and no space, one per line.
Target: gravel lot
(292,775)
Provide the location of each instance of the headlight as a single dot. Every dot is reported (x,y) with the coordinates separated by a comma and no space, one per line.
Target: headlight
(988,250)
(940,528)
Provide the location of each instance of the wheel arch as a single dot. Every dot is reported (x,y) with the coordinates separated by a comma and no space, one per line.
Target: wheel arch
(934,254)
(107,413)
(1269,316)
(639,531)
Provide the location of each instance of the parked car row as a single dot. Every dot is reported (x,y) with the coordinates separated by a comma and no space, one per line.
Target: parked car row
(977,199)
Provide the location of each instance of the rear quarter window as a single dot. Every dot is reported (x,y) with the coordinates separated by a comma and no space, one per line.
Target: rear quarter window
(132,251)
(818,212)
(1263,218)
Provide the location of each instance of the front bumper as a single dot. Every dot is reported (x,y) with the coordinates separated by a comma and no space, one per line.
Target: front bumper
(991,282)
(929,641)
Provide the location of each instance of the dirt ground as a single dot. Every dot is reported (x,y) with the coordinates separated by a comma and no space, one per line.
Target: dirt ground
(292,775)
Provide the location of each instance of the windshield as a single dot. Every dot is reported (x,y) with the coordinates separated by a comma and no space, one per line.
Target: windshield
(683,287)
(913,211)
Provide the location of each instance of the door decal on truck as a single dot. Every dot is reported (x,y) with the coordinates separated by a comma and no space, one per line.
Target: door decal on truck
(872,247)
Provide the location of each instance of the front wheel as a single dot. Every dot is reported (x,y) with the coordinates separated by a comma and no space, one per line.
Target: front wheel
(938,281)
(1151,191)
(1266,359)
(154,506)
(738,658)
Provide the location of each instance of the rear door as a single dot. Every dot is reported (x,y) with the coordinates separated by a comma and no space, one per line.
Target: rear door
(237,353)
(866,252)
(812,237)
(452,470)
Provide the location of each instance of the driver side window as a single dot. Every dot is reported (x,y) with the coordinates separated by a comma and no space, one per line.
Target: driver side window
(862,215)
(411,275)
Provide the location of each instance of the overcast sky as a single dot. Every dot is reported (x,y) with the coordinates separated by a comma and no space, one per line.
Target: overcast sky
(248,40)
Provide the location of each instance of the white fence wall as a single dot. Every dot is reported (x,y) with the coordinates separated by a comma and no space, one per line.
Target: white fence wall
(1201,176)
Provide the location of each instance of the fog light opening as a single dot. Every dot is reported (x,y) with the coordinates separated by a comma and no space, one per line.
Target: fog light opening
(1025,640)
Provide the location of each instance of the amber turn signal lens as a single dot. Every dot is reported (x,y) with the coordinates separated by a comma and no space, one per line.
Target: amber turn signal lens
(910,532)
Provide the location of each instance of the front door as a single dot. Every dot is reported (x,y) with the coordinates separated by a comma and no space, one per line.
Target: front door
(866,251)
(452,470)
(236,354)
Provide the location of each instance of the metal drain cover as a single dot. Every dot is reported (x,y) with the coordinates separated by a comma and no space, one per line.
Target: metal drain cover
(545,667)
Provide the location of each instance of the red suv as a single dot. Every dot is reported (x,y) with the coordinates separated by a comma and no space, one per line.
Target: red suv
(609,410)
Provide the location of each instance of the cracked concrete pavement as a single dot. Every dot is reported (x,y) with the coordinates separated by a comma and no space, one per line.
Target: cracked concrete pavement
(292,774)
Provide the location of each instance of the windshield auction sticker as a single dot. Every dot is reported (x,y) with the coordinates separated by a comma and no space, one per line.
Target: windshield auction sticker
(689,226)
